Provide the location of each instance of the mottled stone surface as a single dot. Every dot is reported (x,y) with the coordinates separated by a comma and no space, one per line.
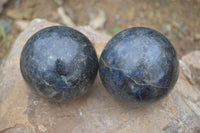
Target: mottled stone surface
(23,111)
(139,65)
(59,62)
(192,62)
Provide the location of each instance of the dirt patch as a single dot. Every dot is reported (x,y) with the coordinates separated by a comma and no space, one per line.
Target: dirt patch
(176,19)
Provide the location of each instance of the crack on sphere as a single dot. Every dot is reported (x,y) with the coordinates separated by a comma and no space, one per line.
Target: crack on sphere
(124,71)
(139,65)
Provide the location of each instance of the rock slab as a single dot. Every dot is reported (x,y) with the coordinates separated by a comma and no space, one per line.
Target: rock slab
(191,61)
(23,111)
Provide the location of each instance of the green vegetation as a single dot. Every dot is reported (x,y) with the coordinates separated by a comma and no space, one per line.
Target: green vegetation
(4,38)
(116,29)
(109,34)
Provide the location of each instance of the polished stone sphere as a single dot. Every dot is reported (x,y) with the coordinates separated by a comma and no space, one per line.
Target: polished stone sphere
(139,65)
(59,62)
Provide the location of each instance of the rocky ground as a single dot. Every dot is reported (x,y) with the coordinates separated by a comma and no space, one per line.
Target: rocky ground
(21,110)
(178,20)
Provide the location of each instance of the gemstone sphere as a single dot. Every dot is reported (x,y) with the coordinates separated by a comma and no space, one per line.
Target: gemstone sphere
(59,62)
(139,65)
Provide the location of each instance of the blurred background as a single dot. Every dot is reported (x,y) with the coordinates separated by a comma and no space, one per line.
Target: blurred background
(178,20)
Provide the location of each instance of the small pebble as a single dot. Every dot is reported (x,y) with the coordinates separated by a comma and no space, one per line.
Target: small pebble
(42,128)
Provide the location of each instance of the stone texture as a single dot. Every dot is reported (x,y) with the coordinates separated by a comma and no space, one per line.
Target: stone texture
(21,24)
(22,110)
(139,65)
(55,62)
(191,61)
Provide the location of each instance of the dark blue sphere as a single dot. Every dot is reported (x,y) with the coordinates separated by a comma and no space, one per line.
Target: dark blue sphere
(139,65)
(59,62)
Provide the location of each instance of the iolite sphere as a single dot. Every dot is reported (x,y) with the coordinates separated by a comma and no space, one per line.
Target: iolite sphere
(59,62)
(139,65)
